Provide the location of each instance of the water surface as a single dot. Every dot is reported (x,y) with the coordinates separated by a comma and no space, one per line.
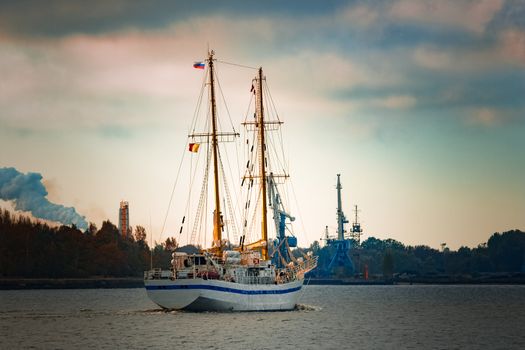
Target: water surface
(329,317)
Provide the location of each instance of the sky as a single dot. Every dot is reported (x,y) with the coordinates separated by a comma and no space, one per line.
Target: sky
(419,105)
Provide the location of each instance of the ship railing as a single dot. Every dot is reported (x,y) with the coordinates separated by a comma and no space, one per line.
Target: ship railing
(157,274)
(153,274)
(255,280)
(298,270)
(310,264)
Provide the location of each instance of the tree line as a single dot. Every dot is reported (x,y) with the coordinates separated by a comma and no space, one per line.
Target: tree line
(503,252)
(33,249)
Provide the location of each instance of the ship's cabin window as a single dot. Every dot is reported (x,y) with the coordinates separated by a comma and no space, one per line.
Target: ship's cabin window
(199,260)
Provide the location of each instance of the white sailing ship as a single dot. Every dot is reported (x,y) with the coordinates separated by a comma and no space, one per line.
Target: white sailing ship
(247,277)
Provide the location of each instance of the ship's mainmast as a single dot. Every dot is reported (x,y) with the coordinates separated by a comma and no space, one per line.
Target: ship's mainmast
(262,166)
(217,222)
(268,191)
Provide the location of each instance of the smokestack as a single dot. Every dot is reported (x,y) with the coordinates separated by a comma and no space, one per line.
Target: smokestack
(123,219)
(28,193)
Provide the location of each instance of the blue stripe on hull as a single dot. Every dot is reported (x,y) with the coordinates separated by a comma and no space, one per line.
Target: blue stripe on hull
(224,289)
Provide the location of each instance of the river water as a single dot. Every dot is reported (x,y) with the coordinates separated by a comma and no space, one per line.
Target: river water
(328,317)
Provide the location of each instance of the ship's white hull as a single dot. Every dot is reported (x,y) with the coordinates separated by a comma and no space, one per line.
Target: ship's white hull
(216,295)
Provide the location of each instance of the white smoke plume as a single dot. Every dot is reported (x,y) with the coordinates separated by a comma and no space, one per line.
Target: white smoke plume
(28,193)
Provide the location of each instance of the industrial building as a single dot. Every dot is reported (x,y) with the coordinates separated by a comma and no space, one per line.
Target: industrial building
(123,219)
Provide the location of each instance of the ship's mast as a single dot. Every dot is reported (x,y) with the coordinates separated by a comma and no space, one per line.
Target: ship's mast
(262,164)
(217,222)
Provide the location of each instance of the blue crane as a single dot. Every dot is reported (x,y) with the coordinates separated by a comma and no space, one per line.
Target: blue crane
(282,243)
(341,259)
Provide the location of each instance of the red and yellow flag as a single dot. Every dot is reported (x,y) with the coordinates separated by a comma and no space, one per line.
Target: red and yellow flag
(194,147)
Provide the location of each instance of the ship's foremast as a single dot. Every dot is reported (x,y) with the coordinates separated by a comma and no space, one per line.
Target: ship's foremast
(217,222)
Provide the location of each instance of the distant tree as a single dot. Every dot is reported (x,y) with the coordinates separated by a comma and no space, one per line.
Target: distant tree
(507,251)
(161,256)
(140,233)
(315,248)
(170,244)
(92,229)
(108,233)
(372,243)
(388,264)
(481,260)
(130,234)
(393,244)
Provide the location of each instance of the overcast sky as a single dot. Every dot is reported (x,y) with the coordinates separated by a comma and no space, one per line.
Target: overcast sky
(418,104)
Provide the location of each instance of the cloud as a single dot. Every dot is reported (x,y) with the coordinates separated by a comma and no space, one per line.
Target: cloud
(483,116)
(508,48)
(130,77)
(512,43)
(329,71)
(65,17)
(433,58)
(121,79)
(70,17)
(115,131)
(126,78)
(360,15)
(397,102)
(470,15)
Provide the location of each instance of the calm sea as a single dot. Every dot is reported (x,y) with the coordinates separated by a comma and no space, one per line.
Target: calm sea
(329,317)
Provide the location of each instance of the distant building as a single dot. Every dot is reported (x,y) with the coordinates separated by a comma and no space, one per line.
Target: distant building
(123,219)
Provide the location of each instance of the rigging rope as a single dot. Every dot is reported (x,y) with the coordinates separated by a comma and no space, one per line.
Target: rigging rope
(199,102)
(192,179)
(202,200)
(228,198)
(237,65)
(172,192)
(254,217)
(298,210)
(224,100)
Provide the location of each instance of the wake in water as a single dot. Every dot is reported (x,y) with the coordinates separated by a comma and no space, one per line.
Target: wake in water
(158,311)
(304,307)
(298,307)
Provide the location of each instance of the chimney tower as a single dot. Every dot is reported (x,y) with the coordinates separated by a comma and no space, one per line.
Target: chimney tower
(123,219)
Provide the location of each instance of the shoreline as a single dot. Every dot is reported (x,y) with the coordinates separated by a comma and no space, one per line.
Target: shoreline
(70,283)
(515,279)
(137,282)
